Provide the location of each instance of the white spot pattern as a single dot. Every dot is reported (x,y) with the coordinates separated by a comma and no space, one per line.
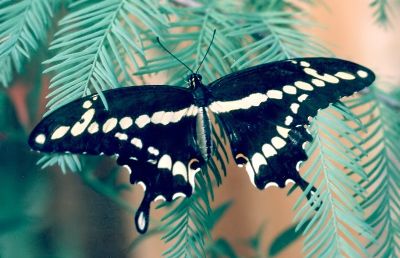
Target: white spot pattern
(284,132)
(93,128)
(362,74)
(318,82)
(152,161)
(305,64)
(165,162)
(326,77)
(137,142)
(125,122)
(160,198)
(141,221)
(178,115)
(110,124)
(40,138)
(121,136)
(192,111)
(270,184)
(294,107)
(87,104)
(250,172)
(153,151)
(156,117)
(143,185)
(303,86)
(302,97)
(345,76)
(288,120)
(278,142)
(289,89)
(274,94)
(167,117)
(179,169)
(79,126)
(127,168)
(258,160)
(60,132)
(142,121)
(289,181)
(268,150)
(298,164)
(253,100)
(178,195)
(192,173)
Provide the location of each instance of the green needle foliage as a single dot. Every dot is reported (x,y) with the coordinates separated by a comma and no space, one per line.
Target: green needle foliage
(23,27)
(383,10)
(273,38)
(205,19)
(96,45)
(380,113)
(101,45)
(335,228)
(185,226)
(380,10)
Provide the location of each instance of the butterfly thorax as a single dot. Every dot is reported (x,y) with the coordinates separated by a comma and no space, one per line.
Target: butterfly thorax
(202,98)
(201,94)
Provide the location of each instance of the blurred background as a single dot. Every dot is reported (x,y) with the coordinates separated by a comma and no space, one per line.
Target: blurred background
(48,213)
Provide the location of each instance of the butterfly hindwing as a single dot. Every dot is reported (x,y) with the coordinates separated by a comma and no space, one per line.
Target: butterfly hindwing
(269,108)
(149,128)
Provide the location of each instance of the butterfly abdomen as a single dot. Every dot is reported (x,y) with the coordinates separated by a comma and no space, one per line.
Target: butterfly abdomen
(203,133)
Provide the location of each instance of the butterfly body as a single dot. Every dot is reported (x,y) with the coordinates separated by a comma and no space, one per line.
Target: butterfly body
(202,97)
(162,134)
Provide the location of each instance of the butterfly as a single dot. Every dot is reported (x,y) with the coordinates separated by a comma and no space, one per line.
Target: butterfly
(162,134)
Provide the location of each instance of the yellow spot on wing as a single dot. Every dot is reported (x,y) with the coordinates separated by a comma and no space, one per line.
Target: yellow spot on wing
(142,121)
(40,138)
(60,132)
(80,126)
(278,142)
(93,128)
(110,124)
(87,104)
(125,122)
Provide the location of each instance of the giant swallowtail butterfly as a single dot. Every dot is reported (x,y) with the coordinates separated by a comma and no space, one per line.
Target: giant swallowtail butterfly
(162,134)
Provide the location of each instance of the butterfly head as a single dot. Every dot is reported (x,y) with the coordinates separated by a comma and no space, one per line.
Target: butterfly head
(194,80)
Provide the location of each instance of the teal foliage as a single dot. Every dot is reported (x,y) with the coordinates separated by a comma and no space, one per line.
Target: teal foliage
(333,169)
(24,26)
(384,10)
(381,10)
(382,124)
(92,44)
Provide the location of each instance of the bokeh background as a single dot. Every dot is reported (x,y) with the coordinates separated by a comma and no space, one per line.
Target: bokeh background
(47,213)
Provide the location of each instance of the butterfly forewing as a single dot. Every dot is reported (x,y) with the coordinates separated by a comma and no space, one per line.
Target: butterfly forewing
(268,109)
(149,129)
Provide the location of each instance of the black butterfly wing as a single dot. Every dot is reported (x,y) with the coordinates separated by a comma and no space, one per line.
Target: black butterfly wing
(265,109)
(149,129)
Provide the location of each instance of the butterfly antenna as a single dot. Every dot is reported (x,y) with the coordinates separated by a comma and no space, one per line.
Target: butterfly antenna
(208,49)
(166,50)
